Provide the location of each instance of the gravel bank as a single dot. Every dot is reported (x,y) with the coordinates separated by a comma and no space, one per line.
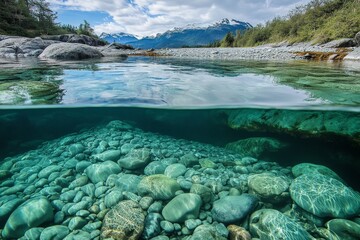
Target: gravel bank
(257,53)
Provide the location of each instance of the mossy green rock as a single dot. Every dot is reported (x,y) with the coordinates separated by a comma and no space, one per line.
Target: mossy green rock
(159,187)
(324,196)
(309,168)
(270,224)
(32,213)
(182,207)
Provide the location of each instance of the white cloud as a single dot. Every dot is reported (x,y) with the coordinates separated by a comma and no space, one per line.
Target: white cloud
(148,17)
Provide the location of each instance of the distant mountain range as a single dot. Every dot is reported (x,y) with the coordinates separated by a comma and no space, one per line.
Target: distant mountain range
(190,35)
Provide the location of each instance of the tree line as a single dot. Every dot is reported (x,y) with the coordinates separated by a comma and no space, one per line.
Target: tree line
(34,18)
(319,21)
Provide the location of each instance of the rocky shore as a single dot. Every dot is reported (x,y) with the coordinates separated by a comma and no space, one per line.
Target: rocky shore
(119,182)
(77,47)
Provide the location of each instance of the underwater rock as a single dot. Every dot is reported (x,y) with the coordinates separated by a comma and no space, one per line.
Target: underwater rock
(32,213)
(255,147)
(207,163)
(127,182)
(113,198)
(56,232)
(324,196)
(238,233)
(305,123)
(159,187)
(270,224)
(175,170)
(135,159)
(109,155)
(182,207)
(189,160)
(33,233)
(269,187)
(155,167)
(232,209)
(29,92)
(100,172)
(70,51)
(124,222)
(7,208)
(309,168)
(207,232)
(152,225)
(204,192)
(344,229)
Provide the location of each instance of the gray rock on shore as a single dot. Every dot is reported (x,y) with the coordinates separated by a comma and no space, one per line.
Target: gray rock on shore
(70,51)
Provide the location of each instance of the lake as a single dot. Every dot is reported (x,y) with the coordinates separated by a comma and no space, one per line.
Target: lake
(177,142)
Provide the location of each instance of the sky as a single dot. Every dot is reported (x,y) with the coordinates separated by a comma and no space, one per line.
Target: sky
(149,17)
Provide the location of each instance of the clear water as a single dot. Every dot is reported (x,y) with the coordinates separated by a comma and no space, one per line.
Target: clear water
(312,108)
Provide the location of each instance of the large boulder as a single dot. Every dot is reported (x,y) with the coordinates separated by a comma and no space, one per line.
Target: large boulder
(70,51)
(159,187)
(324,196)
(339,43)
(125,221)
(232,209)
(32,213)
(75,38)
(182,207)
(344,229)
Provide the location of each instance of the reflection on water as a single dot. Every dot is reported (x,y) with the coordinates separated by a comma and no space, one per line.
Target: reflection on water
(183,83)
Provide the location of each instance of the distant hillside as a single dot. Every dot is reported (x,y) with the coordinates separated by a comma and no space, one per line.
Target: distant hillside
(122,38)
(190,35)
(319,21)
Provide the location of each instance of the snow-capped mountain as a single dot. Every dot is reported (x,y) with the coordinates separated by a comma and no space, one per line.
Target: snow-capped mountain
(119,37)
(190,35)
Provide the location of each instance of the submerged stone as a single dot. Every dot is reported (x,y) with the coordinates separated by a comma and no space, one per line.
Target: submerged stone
(56,232)
(100,172)
(32,213)
(309,168)
(159,187)
(233,209)
(109,155)
(152,225)
(344,229)
(255,147)
(182,207)
(324,196)
(269,187)
(124,222)
(270,224)
(135,159)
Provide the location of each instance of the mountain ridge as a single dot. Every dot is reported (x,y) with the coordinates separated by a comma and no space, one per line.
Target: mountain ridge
(190,35)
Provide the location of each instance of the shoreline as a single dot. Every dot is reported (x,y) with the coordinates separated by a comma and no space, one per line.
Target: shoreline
(20,47)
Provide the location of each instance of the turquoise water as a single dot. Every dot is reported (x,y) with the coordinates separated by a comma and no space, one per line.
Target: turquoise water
(230,127)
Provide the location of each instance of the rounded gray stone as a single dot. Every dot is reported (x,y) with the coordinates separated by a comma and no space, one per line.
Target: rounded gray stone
(70,51)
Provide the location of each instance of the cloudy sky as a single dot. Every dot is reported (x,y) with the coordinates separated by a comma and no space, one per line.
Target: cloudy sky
(148,17)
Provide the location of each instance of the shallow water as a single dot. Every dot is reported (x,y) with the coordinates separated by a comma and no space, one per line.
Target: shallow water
(289,112)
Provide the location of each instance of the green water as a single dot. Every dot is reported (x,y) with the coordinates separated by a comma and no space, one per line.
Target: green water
(283,113)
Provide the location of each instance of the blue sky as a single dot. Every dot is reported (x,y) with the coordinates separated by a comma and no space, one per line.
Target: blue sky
(148,17)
